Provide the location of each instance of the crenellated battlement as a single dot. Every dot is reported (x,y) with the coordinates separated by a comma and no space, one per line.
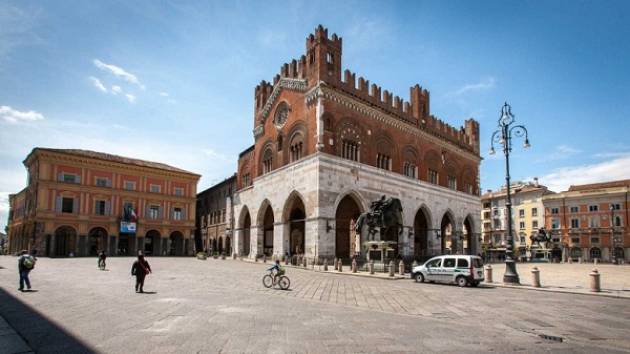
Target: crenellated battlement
(322,63)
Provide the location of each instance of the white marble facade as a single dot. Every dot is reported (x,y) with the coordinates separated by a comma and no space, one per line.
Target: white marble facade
(320,181)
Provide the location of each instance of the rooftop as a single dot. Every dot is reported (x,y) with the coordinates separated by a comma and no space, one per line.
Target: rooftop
(611,184)
(113,158)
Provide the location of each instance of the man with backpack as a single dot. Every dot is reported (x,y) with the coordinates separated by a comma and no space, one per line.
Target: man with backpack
(26,263)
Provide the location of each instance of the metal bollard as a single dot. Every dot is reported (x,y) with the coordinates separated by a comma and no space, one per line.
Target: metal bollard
(256,258)
(325,264)
(264,258)
(595,281)
(391,268)
(371,266)
(354,265)
(339,266)
(234,256)
(336,264)
(488,276)
(535,277)
(401,268)
(304,262)
(223,256)
(287,260)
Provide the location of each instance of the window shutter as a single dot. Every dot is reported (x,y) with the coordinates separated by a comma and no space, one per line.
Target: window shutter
(147,212)
(183,213)
(160,211)
(60,176)
(108,207)
(172,213)
(58,204)
(75,206)
(78,179)
(109,183)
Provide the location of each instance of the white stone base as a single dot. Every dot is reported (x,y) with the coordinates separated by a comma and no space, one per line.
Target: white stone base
(321,181)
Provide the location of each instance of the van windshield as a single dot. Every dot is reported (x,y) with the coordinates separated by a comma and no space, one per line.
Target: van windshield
(477,262)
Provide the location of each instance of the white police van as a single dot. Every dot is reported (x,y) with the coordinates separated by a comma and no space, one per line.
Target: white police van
(459,269)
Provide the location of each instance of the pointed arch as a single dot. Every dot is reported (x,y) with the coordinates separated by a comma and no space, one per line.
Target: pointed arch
(448,232)
(421,232)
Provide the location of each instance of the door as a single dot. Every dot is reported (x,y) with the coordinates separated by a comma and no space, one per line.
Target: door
(448,270)
(433,269)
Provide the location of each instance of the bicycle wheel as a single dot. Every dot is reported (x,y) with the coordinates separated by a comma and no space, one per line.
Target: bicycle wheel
(284,283)
(267,281)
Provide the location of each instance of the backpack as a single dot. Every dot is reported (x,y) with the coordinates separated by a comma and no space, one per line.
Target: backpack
(28,262)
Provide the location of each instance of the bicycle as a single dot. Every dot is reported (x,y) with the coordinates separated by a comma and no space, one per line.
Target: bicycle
(270,280)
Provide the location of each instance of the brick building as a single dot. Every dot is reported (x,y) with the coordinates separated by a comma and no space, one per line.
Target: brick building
(326,144)
(79,202)
(211,222)
(589,221)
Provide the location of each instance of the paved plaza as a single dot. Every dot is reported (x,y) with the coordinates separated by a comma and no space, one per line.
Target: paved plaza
(615,279)
(221,306)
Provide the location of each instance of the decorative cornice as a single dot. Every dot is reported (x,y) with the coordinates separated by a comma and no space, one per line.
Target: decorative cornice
(123,168)
(284,83)
(338,97)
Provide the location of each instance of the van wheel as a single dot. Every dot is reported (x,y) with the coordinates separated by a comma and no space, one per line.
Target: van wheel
(461,281)
(419,278)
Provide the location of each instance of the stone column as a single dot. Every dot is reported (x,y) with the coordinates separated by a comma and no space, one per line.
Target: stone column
(281,240)
(257,242)
(53,246)
(238,241)
(319,239)
(82,246)
(585,255)
(116,237)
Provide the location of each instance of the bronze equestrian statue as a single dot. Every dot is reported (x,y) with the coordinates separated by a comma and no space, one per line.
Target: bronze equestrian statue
(384,214)
(540,237)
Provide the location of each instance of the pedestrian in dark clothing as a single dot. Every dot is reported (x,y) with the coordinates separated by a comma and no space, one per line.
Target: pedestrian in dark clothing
(101,260)
(140,269)
(26,263)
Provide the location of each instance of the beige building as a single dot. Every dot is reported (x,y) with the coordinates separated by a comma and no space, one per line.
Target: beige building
(527,218)
(79,202)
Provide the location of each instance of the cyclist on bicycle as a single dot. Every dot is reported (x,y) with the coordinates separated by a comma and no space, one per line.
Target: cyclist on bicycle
(279,270)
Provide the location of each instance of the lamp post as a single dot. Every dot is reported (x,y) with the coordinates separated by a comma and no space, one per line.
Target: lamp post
(503,136)
(613,238)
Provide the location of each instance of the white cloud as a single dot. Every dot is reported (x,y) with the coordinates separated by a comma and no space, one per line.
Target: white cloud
(559,153)
(116,89)
(98,84)
(485,84)
(13,115)
(615,169)
(131,98)
(119,72)
(164,94)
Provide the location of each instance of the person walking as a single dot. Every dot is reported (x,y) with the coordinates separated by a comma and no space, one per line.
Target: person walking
(26,263)
(101,260)
(140,269)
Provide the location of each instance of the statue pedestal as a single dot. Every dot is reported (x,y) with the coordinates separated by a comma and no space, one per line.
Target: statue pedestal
(380,251)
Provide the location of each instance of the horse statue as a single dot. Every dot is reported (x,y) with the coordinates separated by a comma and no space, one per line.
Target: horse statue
(384,215)
(540,237)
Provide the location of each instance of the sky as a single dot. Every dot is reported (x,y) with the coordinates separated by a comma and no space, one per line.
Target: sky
(173,81)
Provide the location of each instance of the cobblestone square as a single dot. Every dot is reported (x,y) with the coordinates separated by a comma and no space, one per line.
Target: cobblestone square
(221,306)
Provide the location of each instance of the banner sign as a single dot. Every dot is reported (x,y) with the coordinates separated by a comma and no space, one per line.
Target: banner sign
(127,227)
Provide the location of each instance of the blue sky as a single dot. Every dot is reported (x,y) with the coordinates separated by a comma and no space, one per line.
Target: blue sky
(173,81)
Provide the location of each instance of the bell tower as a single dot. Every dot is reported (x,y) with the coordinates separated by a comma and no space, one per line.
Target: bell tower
(323,57)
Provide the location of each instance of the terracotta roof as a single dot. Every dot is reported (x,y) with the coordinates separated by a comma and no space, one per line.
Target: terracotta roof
(611,184)
(115,158)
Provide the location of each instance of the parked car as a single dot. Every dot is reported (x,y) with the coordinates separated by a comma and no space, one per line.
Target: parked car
(462,270)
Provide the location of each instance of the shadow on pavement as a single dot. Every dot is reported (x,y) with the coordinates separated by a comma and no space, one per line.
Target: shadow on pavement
(41,333)
(148,292)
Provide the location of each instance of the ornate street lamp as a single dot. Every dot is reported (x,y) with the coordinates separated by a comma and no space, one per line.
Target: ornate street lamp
(503,136)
